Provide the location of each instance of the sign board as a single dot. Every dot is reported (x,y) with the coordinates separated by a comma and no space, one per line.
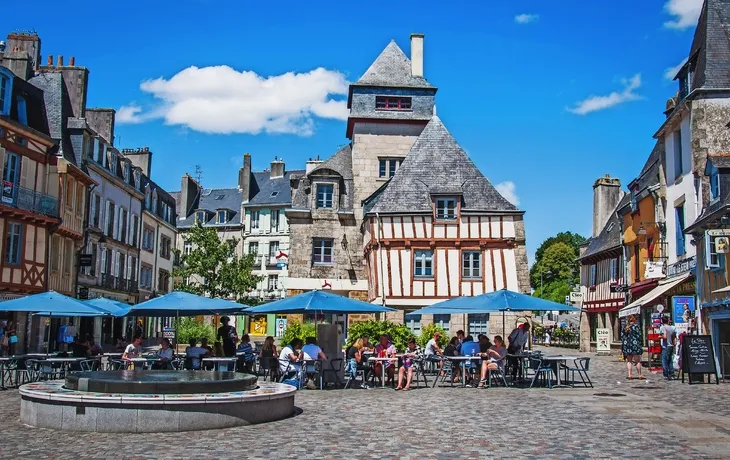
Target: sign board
(603,341)
(654,270)
(83,293)
(619,288)
(576,297)
(168,333)
(8,192)
(85,260)
(280,326)
(698,357)
(719,232)
(683,266)
(280,264)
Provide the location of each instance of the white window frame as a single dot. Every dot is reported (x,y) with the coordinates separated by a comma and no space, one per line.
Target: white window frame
(222,217)
(443,208)
(319,248)
(387,167)
(471,264)
(422,262)
(613,269)
(255,219)
(328,199)
(711,253)
(273,282)
(714,185)
(187,247)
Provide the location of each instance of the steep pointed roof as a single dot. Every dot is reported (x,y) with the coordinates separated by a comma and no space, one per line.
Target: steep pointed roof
(392,69)
(340,162)
(436,164)
(711,47)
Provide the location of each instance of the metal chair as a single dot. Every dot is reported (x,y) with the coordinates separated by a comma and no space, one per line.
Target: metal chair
(496,374)
(447,370)
(541,370)
(117,365)
(335,369)
(581,368)
(420,371)
(269,368)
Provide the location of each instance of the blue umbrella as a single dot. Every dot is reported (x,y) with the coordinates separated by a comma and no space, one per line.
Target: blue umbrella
(114,307)
(178,303)
(318,301)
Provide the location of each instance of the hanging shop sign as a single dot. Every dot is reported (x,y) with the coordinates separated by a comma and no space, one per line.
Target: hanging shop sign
(683,266)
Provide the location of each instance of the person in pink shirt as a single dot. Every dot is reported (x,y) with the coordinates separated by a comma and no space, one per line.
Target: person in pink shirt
(385,349)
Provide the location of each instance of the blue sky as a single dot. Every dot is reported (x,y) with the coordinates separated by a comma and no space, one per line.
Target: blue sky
(545,95)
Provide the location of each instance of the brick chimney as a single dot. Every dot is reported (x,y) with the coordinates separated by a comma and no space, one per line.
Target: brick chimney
(417,55)
(606,195)
(27,42)
(277,168)
(244,178)
(189,191)
(141,158)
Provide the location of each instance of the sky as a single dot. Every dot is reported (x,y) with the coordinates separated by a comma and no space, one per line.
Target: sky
(544,95)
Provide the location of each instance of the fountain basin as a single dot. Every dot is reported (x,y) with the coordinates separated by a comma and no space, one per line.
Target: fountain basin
(160,382)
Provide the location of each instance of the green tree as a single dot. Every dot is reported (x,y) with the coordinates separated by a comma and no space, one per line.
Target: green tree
(191,328)
(213,268)
(556,268)
(297,330)
(374,329)
(427,333)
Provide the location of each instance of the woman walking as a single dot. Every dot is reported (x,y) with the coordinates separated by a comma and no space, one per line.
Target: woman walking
(632,347)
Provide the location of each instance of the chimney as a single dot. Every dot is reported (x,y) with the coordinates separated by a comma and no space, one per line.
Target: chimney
(102,121)
(606,195)
(60,61)
(189,190)
(76,81)
(28,42)
(277,168)
(72,61)
(50,60)
(417,55)
(141,158)
(19,62)
(244,178)
(311,164)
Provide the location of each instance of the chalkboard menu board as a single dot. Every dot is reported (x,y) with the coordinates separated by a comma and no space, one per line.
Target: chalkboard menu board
(698,357)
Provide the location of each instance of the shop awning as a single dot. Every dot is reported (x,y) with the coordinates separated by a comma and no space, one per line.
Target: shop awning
(725,289)
(664,285)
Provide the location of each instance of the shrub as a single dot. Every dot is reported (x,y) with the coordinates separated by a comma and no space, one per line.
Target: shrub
(192,328)
(297,330)
(427,333)
(373,329)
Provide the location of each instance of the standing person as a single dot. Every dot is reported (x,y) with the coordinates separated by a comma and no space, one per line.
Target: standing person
(12,337)
(3,338)
(668,341)
(547,337)
(228,336)
(631,345)
(517,340)
(412,354)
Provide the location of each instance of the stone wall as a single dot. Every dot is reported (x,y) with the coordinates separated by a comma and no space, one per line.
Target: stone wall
(523,268)
(710,134)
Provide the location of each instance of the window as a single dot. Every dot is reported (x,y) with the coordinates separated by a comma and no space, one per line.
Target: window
(145,277)
(442,321)
(255,216)
(133,268)
(165,247)
(471,264)
(91,270)
(637,263)
(4,94)
(678,167)
(392,103)
(125,172)
(413,322)
(322,252)
(222,218)
(122,225)
(163,281)
(714,184)
(80,195)
(592,276)
(275,215)
(22,111)
(136,179)
(446,209)
(110,218)
(253,249)
(388,166)
(154,202)
(148,239)
(679,230)
(68,257)
(478,324)
(273,251)
(200,217)
(274,194)
(147,199)
(423,264)
(613,268)
(219,197)
(713,259)
(273,282)
(55,253)
(113,165)
(187,248)
(11,177)
(69,193)
(634,204)
(133,231)
(12,243)
(324,195)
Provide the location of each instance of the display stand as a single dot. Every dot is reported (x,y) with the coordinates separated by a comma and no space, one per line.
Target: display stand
(654,348)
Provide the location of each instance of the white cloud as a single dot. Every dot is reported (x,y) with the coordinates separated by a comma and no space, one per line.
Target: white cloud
(526,18)
(222,100)
(685,12)
(671,72)
(596,103)
(508,190)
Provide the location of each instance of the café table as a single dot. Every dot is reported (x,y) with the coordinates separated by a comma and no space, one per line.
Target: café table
(382,368)
(462,360)
(64,362)
(144,362)
(558,360)
(222,364)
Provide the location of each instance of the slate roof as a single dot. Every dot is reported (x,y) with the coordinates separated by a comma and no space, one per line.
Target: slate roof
(263,186)
(212,200)
(610,236)
(435,163)
(711,45)
(341,164)
(162,197)
(58,112)
(392,68)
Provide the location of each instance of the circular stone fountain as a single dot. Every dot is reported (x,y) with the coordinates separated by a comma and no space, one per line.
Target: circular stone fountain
(153,401)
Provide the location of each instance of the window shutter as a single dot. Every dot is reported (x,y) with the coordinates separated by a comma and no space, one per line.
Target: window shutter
(24,166)
(115,230)
(679,230)
(129,230)
(103,262)
(2,161)
(92,211)
(129,267)
(103,225)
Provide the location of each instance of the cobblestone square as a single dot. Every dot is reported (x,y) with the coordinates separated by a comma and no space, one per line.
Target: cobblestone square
(617,418)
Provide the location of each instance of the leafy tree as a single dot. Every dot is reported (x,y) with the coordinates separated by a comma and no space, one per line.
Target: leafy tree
(192,328)
(213,268)
(556,268)
(297,330)
(427,333)
(573,240)
(374,329)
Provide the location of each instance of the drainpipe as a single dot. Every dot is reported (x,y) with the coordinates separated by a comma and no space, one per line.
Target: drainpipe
(380,263)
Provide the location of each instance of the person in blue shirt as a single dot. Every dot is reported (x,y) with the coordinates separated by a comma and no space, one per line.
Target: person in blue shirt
(470,348)
(245,354)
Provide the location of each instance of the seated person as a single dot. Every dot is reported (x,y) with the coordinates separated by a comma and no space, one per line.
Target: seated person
(193,354)
(246,356)
(494,359)
(385,349)
(165,355)
(133,350)
(290,359)
(470,348)
(204,344)
(312,352)
(120,345)
(412,354)
(452,349)
(80,348)
(94,348)
(484,343)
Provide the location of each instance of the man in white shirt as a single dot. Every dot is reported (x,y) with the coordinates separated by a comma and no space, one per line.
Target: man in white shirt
(432,347)
(133,350)
(290,359)
(194,353)
(312,352)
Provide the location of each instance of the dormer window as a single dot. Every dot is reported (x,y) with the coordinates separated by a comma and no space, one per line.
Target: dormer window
(392,103)
(113,163)
(4,94)
(324,195)
(200,217)
(634,204)
(147,198)
(274,194)
(446,208)
(22,111)
(154,201)
(136,179)
(222,217)
(125,173)
(714,184)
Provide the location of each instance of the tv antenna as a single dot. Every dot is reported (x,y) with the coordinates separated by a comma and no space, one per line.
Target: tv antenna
(198,174)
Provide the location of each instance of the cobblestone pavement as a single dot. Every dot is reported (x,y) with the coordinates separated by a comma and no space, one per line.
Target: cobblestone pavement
(617,418)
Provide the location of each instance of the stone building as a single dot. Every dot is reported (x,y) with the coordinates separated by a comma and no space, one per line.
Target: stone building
(602,267)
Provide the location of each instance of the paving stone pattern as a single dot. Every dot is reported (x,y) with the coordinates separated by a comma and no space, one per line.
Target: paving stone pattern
(650,419)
